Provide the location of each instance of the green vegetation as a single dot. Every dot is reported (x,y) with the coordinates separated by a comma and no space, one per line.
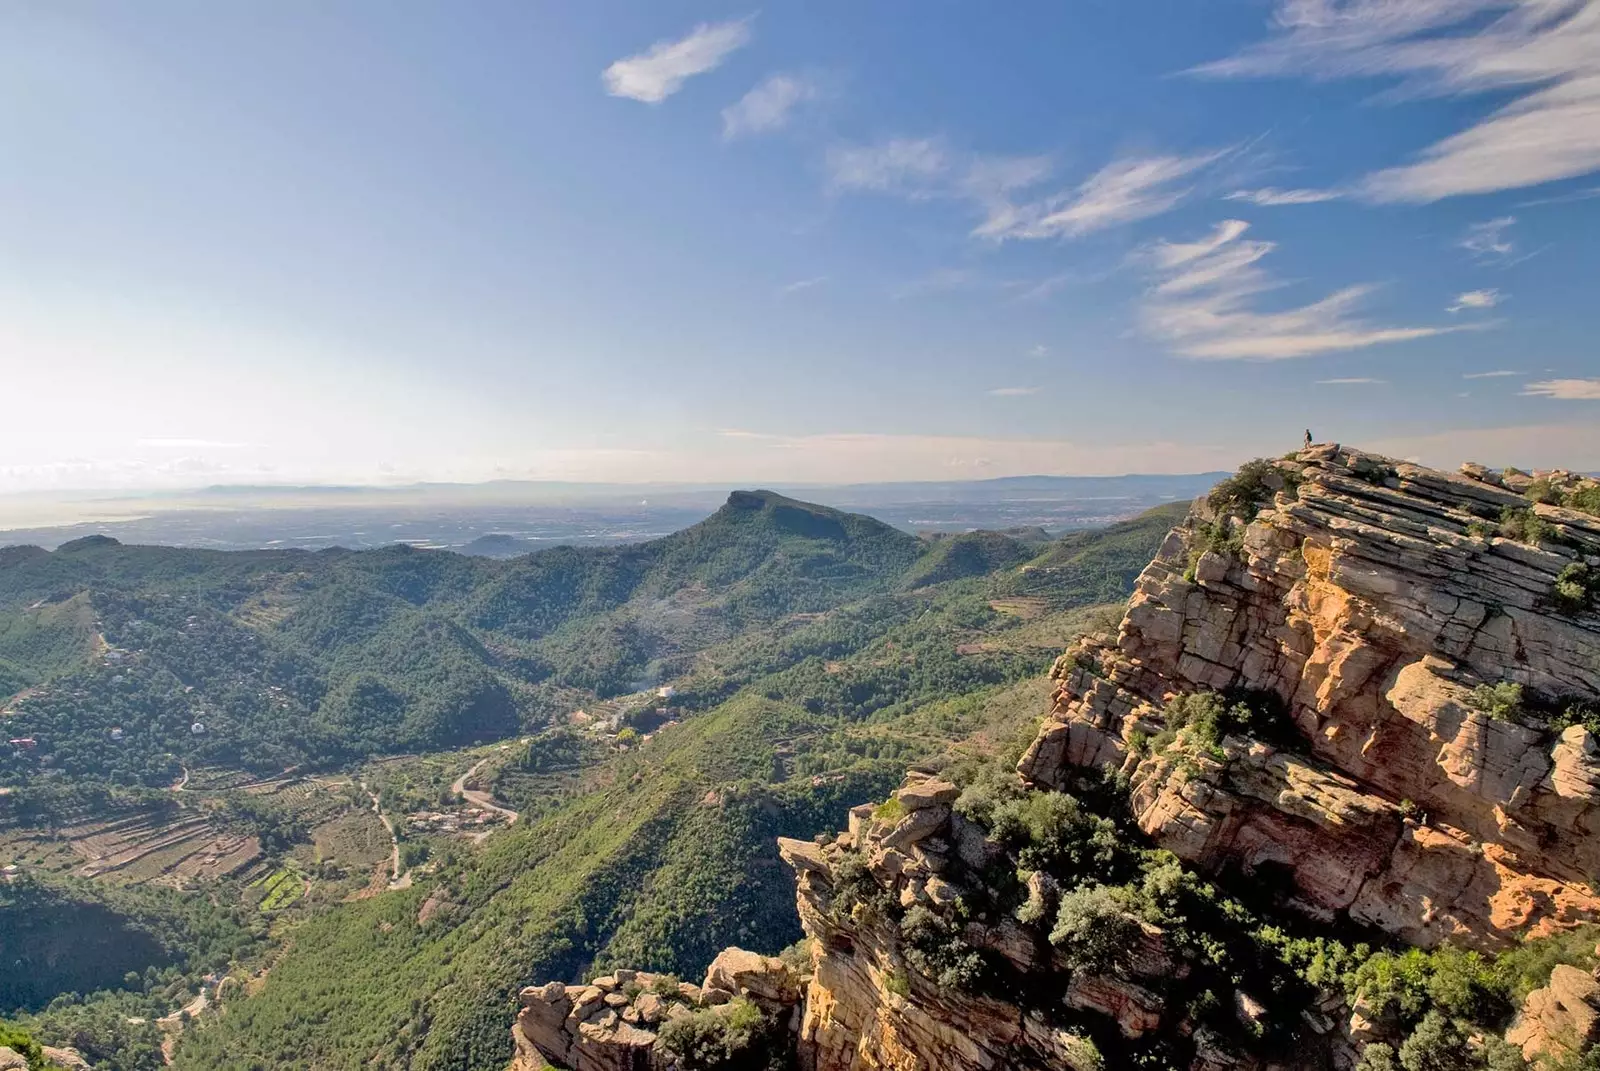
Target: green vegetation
(23,1044)
(1525,526)
(1502,702)
(1577,493)
(1093,888)
(1576,589)
(72,936)
(1247,491)
(270,659)
(658,856)
(738,1037)
(1234,503)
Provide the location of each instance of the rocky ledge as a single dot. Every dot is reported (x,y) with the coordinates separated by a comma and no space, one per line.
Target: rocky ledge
(1369,603)
(1367,688)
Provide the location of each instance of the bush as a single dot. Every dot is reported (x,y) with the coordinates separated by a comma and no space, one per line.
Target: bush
(1502,702)
(736,1037)
(1244,493)
(889,812)
(935,946)
(1378,1057)
(1577,713)
(1050,831)
(1094,930)
(1437,1044)
(1524,526)
(1575,589)
(1586,499)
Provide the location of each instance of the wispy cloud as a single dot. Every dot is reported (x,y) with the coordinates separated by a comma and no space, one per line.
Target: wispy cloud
(1271,195)
(1041,350)
(1488,241)
(654,75)
(1497,374)
(1562,199)
(1350,381)
(1546,50)
(1586,390)
(767,106)
(803,284)
(1475,299)
(1012,392)
(899,165)
(1203,305)
(1123,191)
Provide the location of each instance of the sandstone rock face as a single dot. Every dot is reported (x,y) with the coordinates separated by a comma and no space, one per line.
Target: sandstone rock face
(611,1024)
(1558,1021)
(1369,599)
(864,1009)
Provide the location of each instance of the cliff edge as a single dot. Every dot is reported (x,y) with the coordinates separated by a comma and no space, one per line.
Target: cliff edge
(1351,715)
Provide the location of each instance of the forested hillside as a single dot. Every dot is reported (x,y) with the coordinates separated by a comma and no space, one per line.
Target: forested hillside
(812,653)
(128,663)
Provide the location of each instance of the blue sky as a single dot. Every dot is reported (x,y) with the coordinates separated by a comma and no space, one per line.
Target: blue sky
(806,242)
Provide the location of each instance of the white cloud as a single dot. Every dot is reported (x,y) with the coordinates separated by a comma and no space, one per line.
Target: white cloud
(1562,199)
(899,165)
(1271,195)
(1497,374)
(1013,392)
(1350,381)
(1202,305)
(1123,191)
(1475,299)
(1586,390)
(655,75)
(1546,50)
(803,284)
(1488,240)
(1041,350)
(767,106)
(190,444)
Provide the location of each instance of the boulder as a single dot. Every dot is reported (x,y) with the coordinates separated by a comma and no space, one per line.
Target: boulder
(765,979)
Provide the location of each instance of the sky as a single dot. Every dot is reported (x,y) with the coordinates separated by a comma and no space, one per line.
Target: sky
(386,240)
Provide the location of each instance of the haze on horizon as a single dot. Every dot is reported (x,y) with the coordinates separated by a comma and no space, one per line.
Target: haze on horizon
(680,242)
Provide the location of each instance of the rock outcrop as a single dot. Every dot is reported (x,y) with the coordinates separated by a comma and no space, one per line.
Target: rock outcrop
(1371,620)
(1559,1021)
(1367,601)
(611,1024)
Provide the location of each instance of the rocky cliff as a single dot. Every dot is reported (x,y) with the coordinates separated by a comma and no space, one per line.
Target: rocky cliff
(1371,602)
(1350,696)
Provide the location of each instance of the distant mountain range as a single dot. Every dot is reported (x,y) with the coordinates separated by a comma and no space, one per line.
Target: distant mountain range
(507,518)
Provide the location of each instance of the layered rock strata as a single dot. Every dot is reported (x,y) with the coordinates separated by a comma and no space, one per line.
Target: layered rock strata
(1364,606)
(1370,598)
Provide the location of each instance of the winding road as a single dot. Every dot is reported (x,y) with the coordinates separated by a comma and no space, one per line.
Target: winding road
(477,798)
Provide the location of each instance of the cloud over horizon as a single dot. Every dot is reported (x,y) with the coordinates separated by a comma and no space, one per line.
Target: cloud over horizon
(1585,390)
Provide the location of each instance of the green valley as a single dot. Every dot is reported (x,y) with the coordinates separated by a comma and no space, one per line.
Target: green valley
(658,713)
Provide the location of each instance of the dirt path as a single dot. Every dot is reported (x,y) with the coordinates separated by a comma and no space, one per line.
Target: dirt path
(397,880)
(480,799)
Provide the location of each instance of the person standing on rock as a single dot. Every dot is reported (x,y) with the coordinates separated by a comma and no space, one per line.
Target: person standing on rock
(1308,438)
